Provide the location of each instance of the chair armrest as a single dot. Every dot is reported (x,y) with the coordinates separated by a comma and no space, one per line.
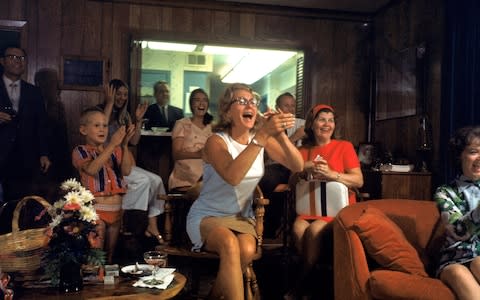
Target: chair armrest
(259,203)
(351,271)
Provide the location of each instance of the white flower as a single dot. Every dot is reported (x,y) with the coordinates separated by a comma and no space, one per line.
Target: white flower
(86,195)
(73,197)
(59,204)
(88,214)
(70,184)
(55,221)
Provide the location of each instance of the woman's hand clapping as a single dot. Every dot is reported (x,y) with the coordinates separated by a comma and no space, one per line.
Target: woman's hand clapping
(275,123)
(140,111)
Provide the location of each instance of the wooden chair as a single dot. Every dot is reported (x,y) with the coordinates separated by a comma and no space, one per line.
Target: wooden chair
(178,243)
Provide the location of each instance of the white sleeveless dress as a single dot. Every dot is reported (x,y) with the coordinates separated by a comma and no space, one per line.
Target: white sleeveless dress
(220,199)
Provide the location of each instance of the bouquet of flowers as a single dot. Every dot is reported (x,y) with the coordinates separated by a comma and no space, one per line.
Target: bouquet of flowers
(74,240)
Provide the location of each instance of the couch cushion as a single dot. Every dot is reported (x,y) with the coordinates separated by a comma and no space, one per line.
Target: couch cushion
(385,242)
(386,284)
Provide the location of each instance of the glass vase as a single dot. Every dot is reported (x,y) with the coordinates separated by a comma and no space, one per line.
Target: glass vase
(71,279)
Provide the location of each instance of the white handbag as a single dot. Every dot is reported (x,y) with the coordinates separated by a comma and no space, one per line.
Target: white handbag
(320,198)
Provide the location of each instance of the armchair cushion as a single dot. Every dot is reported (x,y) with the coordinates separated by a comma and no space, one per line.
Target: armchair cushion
(385,242)
(386,284)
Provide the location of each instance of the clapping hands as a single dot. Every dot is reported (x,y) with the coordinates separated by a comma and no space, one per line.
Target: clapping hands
(122,136)
(275,123)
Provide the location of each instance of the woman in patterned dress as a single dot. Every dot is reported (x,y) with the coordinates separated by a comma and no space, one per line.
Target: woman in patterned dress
(458,202)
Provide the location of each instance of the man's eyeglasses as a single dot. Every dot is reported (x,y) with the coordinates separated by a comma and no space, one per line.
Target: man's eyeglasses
(243,101)
(16,57)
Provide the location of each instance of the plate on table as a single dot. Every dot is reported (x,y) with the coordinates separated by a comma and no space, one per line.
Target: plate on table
(159,129)
(139,271)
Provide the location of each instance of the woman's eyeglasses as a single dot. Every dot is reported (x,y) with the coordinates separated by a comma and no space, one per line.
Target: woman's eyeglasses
(243,101)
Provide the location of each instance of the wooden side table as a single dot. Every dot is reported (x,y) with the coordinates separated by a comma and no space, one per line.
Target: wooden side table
(122,289)
(397,185)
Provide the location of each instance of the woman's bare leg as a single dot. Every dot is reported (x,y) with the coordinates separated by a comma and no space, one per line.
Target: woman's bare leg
(248,248)
(229,282)
(312,243)
(461,280)
(299,227)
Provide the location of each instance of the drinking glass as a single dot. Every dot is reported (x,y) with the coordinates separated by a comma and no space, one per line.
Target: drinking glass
(157,259)
(144,123)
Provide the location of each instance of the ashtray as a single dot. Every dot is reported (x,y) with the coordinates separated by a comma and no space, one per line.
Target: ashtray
(137,270)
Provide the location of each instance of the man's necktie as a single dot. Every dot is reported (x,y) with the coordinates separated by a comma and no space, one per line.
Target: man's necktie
(165,113)
(14,95)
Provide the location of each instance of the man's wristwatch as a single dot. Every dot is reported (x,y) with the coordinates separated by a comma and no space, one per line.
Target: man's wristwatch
(256,143)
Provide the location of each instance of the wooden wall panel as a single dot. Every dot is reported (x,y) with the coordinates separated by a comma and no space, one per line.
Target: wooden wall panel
(202,20)
(12,10)
(73,18)
(337,51)
(403,25)
(221,23)
(92,29)
(106,29)
(49,28)
(182,19)
(120,28)
(167,19)
(5,10)
(150,18)
(32,40)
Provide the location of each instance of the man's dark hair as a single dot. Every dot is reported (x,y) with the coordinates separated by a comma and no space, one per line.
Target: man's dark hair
(286,94)
(4,49)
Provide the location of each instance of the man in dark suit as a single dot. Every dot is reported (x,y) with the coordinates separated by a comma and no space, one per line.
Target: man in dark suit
(161,114)
(23,131)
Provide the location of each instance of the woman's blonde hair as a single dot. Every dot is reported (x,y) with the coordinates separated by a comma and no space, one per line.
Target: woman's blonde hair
(224,123)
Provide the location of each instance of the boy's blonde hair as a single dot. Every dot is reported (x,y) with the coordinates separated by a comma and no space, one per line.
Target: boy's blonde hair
(86,113)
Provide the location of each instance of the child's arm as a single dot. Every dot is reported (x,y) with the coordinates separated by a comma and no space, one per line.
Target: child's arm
(127,157)
(94,166)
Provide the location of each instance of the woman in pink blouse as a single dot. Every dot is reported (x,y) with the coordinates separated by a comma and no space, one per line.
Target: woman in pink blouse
(188,139)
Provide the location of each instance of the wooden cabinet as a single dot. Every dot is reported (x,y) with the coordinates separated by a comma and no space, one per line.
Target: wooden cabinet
(154,153)
(400,185)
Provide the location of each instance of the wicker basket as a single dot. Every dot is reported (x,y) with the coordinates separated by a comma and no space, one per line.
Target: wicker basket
(21,251)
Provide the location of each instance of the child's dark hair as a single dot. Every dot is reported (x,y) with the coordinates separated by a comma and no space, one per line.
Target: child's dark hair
(87,112)
(462,138)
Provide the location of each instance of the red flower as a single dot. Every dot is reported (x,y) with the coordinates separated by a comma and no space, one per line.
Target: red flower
(94,239)
(71,206)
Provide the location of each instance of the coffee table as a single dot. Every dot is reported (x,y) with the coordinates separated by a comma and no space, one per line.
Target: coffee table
(122,289)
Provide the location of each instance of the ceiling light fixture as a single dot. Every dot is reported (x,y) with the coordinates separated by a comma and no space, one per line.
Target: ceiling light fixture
(171,46)
(256,65)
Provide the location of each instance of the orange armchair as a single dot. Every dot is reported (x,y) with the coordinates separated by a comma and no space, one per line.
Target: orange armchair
(357,276)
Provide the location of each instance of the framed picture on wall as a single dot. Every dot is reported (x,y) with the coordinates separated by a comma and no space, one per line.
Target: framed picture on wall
(396,84)
(83,73)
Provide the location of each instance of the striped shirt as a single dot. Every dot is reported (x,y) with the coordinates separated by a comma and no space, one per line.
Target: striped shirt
(109,179)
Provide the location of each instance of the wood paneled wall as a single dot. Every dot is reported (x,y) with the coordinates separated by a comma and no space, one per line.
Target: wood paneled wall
(403,25)
(337,49)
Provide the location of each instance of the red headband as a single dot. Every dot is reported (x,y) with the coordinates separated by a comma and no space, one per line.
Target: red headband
(319,107)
